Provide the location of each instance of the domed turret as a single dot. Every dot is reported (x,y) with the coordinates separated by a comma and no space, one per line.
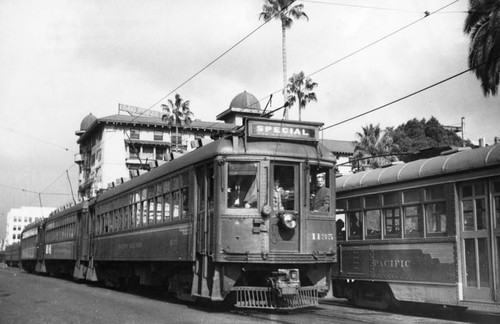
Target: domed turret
(245,100)
(85,124)
(243,105)
(87,121)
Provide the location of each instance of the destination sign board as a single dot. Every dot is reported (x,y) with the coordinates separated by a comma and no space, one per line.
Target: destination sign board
(283,130)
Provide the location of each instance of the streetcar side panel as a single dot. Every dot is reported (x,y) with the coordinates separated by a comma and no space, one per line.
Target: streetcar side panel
(426,231)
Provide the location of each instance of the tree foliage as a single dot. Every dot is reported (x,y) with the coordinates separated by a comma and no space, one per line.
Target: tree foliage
(300,90)
(483,26)
(416,135)
(373,148)
(176,113)
(286,13)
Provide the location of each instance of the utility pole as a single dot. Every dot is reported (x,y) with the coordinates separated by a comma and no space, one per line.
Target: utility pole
(462,128)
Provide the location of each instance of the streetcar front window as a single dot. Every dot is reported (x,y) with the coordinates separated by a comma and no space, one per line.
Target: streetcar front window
(284,192)
(242,187)
(319,179)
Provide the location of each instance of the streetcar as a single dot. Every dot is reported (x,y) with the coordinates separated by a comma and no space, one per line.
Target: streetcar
(247,219)
(32,248)
(11,255)
(427,231)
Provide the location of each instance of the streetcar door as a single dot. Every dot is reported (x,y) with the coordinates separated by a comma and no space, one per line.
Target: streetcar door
(204,227)
(40,250)
(82,238)
(477,276)
(285,208)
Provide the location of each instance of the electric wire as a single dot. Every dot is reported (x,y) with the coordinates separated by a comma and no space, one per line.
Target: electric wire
(38,139)
(427,14)
(216,59)
(210,64)
(411,94)
(360,6)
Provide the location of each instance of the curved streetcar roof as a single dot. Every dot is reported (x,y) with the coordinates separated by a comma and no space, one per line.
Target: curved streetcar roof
(225,147)
(32,225)
(444,164)
(61,213)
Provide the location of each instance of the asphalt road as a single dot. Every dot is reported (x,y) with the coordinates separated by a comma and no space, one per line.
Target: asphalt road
(27,298)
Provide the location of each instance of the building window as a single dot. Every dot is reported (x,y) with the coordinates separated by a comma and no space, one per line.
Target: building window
(160,153)
(158,136)
(135,133)
(176,142)
(148,152)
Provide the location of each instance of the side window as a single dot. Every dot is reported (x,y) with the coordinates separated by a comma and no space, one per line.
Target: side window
(413,221)
(242,185)
(413,216)
(372,218)
(391,214)
(355,225)
(319,178)
(496,205)
(340,219)
(435,209)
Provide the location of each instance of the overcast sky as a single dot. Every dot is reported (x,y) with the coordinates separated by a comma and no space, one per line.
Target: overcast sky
(61,60)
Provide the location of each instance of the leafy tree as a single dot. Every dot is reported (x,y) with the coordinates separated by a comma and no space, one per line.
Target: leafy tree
(282,10)
(300,89)
(483,26)
(373,148)
(176,113)
(416,135)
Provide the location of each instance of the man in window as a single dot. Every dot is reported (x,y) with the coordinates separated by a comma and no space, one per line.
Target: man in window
(321,198)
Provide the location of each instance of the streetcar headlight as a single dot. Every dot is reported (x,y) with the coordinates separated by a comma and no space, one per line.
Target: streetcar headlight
(289,220)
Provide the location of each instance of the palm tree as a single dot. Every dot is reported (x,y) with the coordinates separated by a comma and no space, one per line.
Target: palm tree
(373,148)
(483,26)
(300,89)
(175,113)
(280,9)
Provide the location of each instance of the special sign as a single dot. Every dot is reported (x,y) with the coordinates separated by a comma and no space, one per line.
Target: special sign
(270,129)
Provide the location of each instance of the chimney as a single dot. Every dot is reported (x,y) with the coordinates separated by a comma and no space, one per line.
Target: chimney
(497,140)
(481,142)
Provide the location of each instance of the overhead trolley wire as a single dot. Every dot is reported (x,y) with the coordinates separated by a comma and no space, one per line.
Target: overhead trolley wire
(37,138)
(398,100)
(214,60)
(413,93)
(426,14)
(384,37)
(360,6)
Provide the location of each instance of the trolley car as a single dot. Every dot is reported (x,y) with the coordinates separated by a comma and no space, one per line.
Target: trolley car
(427,231)
(212,224)
(11,255)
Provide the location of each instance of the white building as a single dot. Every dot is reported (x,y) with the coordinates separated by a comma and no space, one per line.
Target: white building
(118,147)
(18,218)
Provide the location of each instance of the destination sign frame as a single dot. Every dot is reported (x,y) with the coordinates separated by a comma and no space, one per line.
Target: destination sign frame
(273,129)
